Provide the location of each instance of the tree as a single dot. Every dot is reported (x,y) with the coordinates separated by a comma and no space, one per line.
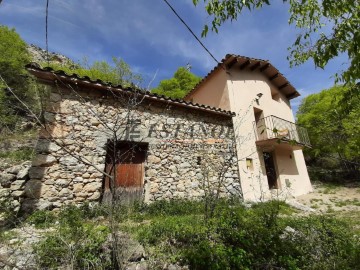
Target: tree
(312,17)
(13,57)
(332,118)
(178,86)
(119,73)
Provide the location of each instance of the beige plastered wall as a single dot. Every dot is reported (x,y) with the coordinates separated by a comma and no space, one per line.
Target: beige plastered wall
(216,93)
(237,90)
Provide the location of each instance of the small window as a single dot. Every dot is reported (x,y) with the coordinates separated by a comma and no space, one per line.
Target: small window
(249,164)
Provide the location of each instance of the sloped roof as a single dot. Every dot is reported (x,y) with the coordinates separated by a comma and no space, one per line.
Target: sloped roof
(253,64)
(49,75)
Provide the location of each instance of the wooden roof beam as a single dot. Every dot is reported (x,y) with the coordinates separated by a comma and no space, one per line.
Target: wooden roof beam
(245,64)
(283,86)
(233,62)
(266,66)
(274,77)
(255,66)
(293,95)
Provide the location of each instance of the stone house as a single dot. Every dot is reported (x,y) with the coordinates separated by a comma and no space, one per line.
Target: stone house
(154,147)
(234,134)
(268,142)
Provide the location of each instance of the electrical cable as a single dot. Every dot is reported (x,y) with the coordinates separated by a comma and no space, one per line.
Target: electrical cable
(177,15)
(46,31)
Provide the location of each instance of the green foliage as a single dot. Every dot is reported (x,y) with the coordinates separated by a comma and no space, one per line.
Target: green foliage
(255,238)
(76,242)
(316,40)
(117,73)
(171,207)
(21,154)
(42,219)
(8,213)
(13,57)
(178,86)
(332,118)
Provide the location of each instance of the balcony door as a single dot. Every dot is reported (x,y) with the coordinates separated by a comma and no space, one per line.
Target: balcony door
(260,127)
(270,170)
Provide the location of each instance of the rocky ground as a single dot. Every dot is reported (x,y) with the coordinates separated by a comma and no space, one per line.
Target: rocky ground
(328,198)
(40,56)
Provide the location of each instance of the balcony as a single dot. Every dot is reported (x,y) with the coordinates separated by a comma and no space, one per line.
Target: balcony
(272,130)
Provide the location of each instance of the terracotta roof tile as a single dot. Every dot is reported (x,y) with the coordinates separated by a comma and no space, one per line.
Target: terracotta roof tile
(50,75)
(272,73)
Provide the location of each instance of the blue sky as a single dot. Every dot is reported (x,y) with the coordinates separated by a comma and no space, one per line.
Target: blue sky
(148,36)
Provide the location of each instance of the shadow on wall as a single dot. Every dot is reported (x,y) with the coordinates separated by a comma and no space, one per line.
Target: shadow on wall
(34,187)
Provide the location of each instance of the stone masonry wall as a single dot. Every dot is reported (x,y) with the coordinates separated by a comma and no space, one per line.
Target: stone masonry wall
(187,148)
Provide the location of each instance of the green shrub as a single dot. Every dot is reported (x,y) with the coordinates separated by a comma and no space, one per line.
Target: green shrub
(180,229)
(171,207)
(22,154)
(76,242)
(42,219)
(255,238)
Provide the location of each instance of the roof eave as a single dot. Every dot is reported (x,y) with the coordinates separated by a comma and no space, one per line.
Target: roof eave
(49,76)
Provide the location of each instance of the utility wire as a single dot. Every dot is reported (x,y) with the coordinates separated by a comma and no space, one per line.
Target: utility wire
(177,15)
(46,31)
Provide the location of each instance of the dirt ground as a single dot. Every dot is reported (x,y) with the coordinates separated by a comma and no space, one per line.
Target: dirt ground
(327,198)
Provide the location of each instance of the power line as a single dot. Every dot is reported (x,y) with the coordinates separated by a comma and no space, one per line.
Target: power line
(46,31)
(177,15)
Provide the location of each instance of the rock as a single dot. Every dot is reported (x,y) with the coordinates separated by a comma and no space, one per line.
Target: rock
(43,160)
(69,160)
(65,192)
(6,179)
(300,206)
(4,192)
(78,187)
(62,182)
(55,97)
(137,266)
(18,184)
(185,165)
(44,205)
(14,169)
(23,173)
(170,121)
(49,117)
(151,172)
(46,146)
(199,176)
(37,172)
(96,195)
(18,193)
(48,191)
(33,188)
(175,267)
(92,187)
(153,159)
(130,248)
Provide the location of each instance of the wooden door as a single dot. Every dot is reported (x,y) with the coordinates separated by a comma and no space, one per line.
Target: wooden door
(126,166)
(270,170)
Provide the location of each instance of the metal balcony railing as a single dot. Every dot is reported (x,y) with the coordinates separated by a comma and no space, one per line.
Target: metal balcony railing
(272,127)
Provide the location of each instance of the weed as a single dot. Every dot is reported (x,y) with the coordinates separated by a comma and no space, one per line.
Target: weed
(21,154)
(76,242)
(255,238)
(355,202)
(42,219)
(330,188)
